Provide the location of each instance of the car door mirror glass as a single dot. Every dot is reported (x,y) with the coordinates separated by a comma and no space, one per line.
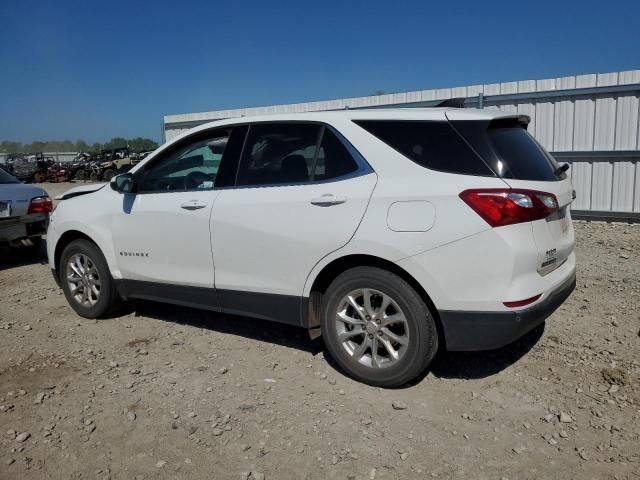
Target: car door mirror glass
(123,183)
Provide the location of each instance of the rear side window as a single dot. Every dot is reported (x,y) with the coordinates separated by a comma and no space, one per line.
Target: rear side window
(292,153)
(333,159)
(434,145)
(278,154)
(510,150)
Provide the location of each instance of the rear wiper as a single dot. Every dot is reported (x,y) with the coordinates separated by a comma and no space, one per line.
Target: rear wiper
(561,169)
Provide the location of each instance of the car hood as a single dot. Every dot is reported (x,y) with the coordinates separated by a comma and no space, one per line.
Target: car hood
(81,190)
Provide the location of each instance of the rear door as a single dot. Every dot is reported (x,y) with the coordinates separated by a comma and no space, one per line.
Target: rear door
(300,194)
(522,162)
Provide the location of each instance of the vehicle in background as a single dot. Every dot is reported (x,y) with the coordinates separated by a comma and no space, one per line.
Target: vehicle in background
(81,166)
(112,162)
(24,168)
(24,212)
(390,232)
(33,168)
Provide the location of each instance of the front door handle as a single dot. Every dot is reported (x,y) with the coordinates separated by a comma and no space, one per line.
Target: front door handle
(193,205)
(328,199)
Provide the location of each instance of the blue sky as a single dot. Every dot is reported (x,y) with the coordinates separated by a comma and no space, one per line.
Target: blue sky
(95,70)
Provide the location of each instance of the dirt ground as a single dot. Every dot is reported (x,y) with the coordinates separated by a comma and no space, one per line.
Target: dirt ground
(167,392)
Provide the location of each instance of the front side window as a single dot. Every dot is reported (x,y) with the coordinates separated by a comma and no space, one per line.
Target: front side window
(284,154)
(188,166)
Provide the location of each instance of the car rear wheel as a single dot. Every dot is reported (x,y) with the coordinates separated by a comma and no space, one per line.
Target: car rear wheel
(377,328)
(108,175)
(86,280)
(81,174)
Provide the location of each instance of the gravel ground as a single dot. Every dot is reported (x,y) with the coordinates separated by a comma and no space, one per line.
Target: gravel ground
(168,392)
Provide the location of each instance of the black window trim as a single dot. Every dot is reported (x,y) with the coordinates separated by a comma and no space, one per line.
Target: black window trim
(491,173)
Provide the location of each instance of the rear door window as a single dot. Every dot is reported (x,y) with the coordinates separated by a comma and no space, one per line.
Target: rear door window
(291,154)
(431,144)
(277,154)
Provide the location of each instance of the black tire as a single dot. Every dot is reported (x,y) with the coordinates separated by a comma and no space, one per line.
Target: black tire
(81,174)
(108,174)
(109,300)
(94,176)
(422,342)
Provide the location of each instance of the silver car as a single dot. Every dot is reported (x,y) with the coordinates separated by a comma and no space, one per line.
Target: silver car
(24,212)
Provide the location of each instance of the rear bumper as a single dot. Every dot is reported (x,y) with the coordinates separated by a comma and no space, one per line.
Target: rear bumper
(467,331)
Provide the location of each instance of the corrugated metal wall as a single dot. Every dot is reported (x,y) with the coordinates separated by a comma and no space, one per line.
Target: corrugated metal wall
(590,121)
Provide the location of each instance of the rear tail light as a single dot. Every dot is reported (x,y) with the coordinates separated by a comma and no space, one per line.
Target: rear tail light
(40,205)
(506,206)
(522,303)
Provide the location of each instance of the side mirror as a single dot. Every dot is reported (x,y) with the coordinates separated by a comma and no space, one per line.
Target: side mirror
(123,183)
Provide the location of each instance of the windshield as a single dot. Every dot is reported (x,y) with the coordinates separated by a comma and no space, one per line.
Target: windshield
(6,178)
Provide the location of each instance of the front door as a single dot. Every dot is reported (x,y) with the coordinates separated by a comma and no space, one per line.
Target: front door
(162,233)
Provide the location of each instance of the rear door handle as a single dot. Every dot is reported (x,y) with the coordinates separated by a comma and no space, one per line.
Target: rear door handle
(193,205)
(328,199)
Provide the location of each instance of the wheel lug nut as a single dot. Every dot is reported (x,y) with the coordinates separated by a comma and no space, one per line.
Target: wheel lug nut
(370,336)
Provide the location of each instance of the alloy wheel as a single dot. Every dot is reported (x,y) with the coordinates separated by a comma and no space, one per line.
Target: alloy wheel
(372,328)
(83,280)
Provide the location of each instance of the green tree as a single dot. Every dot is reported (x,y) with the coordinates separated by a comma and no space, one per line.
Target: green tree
(7,146)
(35,147)
(116,142)
(81,146)
(140,144)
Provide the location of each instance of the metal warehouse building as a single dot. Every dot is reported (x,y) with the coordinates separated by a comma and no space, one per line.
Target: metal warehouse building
(590,121)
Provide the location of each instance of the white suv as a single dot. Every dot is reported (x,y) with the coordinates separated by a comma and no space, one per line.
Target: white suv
(391,233)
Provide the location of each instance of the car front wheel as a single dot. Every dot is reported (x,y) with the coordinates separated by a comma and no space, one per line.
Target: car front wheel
(86,280)
(377,328)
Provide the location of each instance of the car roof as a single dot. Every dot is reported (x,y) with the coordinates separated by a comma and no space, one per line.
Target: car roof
(433,114)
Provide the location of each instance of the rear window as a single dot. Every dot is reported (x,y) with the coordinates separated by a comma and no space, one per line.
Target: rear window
(509,149)
(433,145)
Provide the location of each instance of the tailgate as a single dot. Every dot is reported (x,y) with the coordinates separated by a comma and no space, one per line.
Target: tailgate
(554,236)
